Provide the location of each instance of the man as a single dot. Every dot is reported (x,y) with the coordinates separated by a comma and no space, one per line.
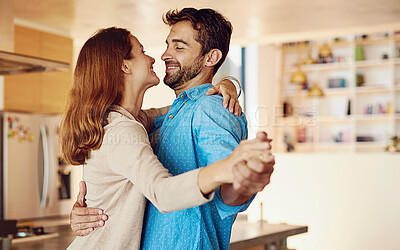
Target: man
(196,132)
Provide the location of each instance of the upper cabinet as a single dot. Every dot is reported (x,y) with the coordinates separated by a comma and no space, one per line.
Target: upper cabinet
(39,92)
(56,47)
(27,41)
(340,94)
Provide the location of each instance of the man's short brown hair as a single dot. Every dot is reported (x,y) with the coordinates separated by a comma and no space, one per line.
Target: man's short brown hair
(214,30)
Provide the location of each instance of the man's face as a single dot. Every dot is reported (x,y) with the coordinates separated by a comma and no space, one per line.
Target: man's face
(182,57)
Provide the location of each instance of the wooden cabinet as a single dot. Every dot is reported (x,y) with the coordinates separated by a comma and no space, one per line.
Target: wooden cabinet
(54,90)
(39,92)
(22,92)
(360,109)
(27,41)
(56,47)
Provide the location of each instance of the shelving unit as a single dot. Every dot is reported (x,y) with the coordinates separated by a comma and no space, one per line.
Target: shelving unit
(360,114)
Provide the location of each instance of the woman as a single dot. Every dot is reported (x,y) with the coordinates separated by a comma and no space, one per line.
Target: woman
(100,129)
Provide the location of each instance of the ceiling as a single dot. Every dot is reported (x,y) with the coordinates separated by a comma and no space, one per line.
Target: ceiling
(251,19)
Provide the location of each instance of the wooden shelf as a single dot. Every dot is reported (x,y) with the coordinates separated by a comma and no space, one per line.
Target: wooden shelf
(301,94)
(370,146)
(296,48)
(373,41)
(344,65)
(374,63)
(373,117)
(396,60)
(334,145)
(372,90)
(304,147)
(330,92)
(320,67)
(334,119)
(337,91)
(326,66)
(342,43)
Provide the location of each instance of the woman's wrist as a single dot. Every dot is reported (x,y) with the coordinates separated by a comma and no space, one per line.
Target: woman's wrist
(214,175)
(235,82)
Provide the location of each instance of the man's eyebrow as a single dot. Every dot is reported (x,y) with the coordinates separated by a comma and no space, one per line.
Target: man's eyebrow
(177,41)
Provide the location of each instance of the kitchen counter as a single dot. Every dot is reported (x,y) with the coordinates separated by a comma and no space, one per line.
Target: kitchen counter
(262,235)
(244,235)
(62,241)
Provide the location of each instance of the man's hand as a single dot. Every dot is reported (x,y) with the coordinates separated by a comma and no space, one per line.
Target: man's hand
(84,219)
(228,91)
(250,177)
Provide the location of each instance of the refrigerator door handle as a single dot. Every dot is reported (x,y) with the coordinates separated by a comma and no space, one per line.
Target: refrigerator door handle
(44,141)
(51,166)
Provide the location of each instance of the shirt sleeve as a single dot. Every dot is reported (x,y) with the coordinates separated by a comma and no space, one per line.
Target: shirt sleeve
(129,154)
(218,132)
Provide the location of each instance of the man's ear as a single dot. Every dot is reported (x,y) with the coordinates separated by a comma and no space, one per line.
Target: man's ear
(213,57)
(125,67)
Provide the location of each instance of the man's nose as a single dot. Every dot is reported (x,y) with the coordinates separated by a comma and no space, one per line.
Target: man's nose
(166,55)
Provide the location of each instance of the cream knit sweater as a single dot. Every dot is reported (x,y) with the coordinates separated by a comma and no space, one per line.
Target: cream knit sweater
(121,174)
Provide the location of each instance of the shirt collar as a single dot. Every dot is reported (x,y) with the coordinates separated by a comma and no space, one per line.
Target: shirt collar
(195,92)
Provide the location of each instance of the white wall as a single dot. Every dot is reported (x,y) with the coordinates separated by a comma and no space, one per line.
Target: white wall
(349,201)
(268,89)
(251,81)
(161,95)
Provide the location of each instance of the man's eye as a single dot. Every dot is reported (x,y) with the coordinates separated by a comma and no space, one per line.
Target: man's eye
(179,48)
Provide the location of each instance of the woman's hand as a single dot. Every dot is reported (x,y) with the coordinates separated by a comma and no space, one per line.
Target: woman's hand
(228,91)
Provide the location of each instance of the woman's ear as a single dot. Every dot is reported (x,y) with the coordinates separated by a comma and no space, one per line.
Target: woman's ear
(125,67)
(213,57)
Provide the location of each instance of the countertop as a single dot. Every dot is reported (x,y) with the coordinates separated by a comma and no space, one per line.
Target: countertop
(244,234)
(249,234)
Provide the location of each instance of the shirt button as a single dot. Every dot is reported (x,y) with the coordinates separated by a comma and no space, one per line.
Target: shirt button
(182,96)
(171,116)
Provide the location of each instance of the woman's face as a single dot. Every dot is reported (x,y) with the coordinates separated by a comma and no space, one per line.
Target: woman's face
(141,66)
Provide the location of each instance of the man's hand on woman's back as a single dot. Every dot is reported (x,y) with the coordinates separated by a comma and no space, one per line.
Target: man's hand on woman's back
(83,219)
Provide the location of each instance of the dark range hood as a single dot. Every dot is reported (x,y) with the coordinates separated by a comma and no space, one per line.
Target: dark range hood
(13,63)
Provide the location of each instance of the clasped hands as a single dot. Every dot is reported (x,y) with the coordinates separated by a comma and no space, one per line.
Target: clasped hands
(253,174)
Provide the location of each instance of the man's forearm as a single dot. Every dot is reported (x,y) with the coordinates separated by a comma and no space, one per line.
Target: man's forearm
(147,116)
(231,197)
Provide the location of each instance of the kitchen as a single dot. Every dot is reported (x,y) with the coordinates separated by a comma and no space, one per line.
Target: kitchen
(360,213)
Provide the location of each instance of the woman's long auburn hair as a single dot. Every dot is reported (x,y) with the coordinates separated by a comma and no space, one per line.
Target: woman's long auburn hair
(98,84)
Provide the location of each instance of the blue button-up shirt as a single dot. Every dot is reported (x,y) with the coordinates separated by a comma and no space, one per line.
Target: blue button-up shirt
(196,132)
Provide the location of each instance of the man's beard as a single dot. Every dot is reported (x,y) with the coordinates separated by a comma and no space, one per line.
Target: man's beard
(184,74)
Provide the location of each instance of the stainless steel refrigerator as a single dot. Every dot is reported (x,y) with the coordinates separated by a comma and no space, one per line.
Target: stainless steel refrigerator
(36,182)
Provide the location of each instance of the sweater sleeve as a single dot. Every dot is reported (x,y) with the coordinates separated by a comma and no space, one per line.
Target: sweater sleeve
(129,154)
